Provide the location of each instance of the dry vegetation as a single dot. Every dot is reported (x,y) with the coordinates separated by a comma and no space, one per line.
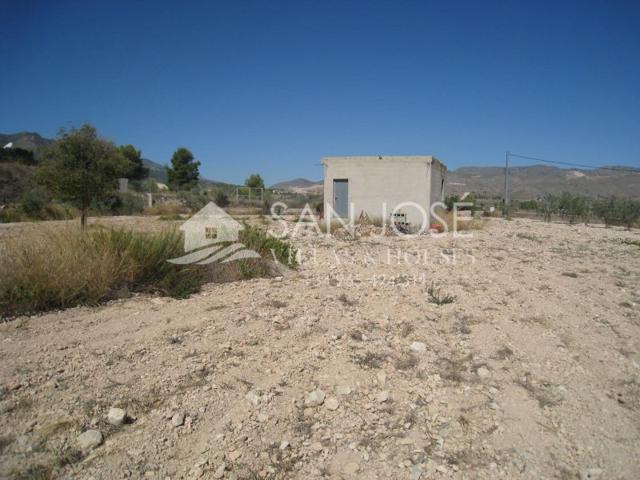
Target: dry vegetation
(59,267)
(512,353)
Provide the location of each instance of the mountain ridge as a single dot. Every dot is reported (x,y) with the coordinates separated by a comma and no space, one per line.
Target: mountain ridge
(526,182)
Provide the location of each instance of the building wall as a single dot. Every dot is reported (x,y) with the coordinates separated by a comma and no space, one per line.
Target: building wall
(391,180)
(438,180)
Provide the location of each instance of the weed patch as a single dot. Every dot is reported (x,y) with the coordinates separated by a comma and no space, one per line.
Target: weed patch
(437,298)
(267,246)
(528,236)
(65,267)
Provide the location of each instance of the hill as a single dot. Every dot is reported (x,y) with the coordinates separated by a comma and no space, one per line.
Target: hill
(34,142)
(156,171)
(28,140)
(533,181)
(299,185)
(295,183)
(527,183)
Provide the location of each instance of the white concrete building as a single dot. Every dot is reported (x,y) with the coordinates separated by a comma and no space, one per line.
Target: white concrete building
(378,185)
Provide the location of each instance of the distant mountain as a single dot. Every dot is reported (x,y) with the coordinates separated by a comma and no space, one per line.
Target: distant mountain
(525,182)
(295,183)
(533,181)
(34,142)
(156,171)
(28,140)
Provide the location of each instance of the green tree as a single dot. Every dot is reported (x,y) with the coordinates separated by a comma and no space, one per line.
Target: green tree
(137,170)
(183,173)
(630,212)
(80,167)
(254,181)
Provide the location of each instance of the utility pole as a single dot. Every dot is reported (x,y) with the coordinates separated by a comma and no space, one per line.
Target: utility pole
(506,184)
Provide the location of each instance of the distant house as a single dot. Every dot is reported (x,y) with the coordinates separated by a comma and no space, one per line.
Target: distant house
(376,185)
(209,226)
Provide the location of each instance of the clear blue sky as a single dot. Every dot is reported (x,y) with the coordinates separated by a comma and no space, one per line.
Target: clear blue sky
(272,87)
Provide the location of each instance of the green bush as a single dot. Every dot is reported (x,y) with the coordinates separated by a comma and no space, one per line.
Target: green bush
(50,211)
(221,199)
(34,201)
(64,266)
(268,246)
(193,199)
(119,204)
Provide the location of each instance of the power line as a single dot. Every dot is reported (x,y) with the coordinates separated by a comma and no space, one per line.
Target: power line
(615,169)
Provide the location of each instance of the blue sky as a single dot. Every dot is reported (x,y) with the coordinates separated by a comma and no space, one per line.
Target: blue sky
(272,87)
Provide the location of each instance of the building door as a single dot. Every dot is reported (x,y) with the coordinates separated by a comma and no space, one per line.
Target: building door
(341,197)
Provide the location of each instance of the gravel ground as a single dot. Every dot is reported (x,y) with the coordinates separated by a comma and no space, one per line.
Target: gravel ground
(348,367)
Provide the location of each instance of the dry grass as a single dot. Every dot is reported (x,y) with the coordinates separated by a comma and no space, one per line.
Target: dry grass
(333,227)
(59,267)
(167,209)
(463,223)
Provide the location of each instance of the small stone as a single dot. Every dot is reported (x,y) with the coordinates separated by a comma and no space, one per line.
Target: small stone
(332,403)
(483,372)
(590,474)
(263,417)
(314,399)
(418,347)
(284,445)
(233,456)
(383,396)
(253,398)
(90,439)
(116,416)
(350,468)
(219,473)
(382,378)
(343,390)
(177,420)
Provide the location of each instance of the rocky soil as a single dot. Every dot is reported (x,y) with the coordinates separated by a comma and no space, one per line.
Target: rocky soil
(510,354)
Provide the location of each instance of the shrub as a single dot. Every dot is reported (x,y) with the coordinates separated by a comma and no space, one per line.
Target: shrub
(15,180)
(221,199)
(119,204)
(63,267)
(50,211)
(34,201)
(268,246)
(528,205)
(193,199)
(166,209)
(436,297)
(462,224)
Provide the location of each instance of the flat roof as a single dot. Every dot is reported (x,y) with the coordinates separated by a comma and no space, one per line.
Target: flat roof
(391,158)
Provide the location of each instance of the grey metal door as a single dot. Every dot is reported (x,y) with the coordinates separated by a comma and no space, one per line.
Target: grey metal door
(341,197)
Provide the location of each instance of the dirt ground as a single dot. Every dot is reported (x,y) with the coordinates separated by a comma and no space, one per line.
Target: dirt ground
(349,367)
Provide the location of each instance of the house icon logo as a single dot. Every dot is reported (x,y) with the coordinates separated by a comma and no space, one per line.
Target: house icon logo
(211,236)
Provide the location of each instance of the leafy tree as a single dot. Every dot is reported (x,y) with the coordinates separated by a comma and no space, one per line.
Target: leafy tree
(629,212)
(548,205)
(608,209)
(137,170)
(15,180)
(80,167)
(183,173)
(254,181)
